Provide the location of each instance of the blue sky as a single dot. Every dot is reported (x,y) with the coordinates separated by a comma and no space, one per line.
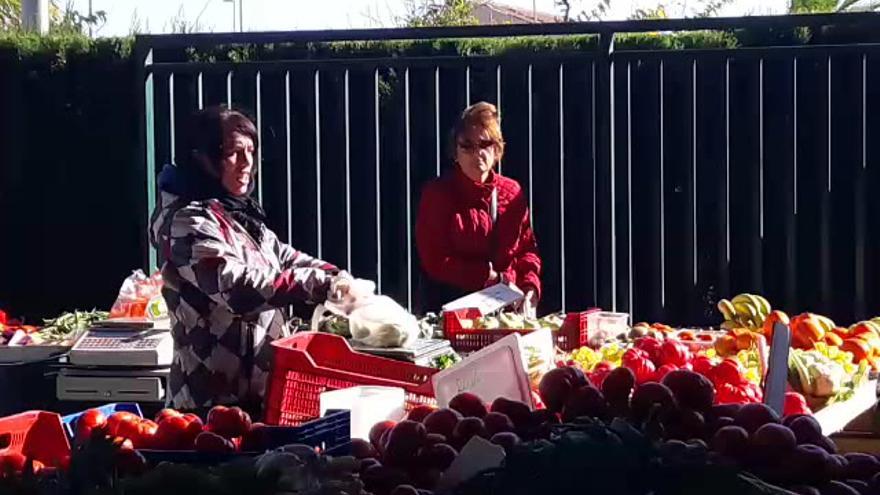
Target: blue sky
(267,15)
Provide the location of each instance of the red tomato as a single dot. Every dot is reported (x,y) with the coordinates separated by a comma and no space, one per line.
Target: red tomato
(166,413)
(193,418)
(228,422)
(116,421)
(87,422)
(130,429)
(146,434)
(171,434)
(193,428)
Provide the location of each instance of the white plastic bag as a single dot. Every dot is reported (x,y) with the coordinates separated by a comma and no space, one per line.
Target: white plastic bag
(373,320)
(378,321)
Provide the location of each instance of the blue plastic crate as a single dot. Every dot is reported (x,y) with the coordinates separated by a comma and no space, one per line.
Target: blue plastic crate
(107,409)
(330,434)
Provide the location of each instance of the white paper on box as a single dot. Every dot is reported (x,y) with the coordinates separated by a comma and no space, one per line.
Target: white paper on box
(488,300)
(368,405)
(837,416)
(477,456)
(494,371)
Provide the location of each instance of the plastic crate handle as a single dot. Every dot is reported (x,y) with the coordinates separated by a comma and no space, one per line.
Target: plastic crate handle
(10,441)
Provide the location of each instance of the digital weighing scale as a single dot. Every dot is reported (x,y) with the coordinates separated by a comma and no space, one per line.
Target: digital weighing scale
(129,343)
(118,360)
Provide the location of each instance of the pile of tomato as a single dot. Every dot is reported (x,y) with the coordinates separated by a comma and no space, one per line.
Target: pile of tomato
(228,429)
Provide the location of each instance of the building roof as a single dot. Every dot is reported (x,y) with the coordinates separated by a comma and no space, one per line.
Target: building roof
(490,12)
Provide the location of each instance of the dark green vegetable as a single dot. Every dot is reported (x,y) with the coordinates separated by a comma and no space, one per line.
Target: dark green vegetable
(445,361)
(67,324)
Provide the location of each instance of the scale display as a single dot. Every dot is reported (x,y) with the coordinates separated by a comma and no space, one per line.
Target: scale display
(115,347)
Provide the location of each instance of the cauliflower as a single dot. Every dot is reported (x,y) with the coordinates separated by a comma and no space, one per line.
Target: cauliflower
(826,378)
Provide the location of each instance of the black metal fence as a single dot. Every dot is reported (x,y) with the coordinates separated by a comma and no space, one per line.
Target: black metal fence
(659,181)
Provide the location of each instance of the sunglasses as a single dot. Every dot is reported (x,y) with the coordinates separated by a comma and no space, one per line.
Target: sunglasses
(480,145)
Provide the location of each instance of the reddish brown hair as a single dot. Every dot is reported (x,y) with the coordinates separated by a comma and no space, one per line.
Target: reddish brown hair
(482,115)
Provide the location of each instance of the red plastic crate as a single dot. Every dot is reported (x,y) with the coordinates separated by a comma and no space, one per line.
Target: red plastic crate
(308,364)
(38,435)
(572,335)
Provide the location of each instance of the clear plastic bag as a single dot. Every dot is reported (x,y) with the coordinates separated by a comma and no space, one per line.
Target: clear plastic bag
(373,320)
(140,297)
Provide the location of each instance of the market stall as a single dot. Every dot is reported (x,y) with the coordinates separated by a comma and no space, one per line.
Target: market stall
(478,400)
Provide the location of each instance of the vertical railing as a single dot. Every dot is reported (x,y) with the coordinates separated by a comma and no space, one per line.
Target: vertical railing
(658,181)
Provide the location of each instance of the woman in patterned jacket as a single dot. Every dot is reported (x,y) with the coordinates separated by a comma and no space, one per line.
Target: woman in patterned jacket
(226,275)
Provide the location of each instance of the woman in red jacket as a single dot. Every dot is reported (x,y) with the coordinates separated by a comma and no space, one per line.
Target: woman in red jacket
(473,227)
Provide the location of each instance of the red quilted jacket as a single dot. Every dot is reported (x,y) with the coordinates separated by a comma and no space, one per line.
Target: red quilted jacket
(457,238)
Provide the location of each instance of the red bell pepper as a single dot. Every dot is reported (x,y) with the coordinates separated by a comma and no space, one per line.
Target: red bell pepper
(651,346)
(638,361)
(755,392)
(728,371)
(600,371)
(795,403)
(727,393)
(674,352)
(703,365)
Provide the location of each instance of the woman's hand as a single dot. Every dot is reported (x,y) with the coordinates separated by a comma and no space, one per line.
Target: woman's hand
(494,277)
(530,304)
(341,285)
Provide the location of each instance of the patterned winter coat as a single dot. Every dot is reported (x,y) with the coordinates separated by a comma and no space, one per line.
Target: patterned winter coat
(224,293)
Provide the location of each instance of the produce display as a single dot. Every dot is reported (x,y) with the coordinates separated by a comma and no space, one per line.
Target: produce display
(109,466)
(825,374)
(819,372)
(746,316)
(736,379)
(225,430)
(744,311)
(513,321)
(654,410)
(62,330)
(666,428)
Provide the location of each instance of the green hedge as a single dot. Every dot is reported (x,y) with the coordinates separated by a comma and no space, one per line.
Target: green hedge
(69,137)
(59,48)
(29,46)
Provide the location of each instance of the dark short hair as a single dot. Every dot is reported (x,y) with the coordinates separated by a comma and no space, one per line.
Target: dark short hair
(205,132)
